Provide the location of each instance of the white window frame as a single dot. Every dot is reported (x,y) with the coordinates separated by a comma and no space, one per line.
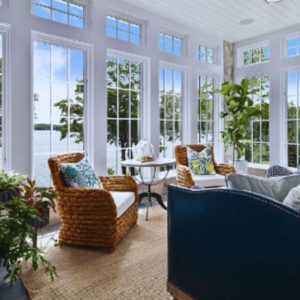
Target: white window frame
(145,91)
(241,50)
(165,32)
(214,56)
(6,93)
(284,48)
(88,49)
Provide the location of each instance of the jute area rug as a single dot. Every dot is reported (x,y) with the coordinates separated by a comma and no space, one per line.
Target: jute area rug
(136,270)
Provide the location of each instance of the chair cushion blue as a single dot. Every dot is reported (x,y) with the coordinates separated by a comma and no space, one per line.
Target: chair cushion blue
(201,163)
(80,175)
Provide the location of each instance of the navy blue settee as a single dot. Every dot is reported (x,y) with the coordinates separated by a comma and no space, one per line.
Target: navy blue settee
(229,244)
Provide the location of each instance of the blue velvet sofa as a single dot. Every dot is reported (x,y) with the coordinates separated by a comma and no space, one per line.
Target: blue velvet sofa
(230,244)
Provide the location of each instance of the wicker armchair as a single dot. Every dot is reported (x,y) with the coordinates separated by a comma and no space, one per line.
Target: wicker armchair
(184,176)
(89,215)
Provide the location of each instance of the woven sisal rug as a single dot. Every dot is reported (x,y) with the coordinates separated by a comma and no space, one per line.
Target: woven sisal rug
(136,270)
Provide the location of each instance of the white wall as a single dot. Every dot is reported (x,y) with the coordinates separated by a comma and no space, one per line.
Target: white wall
(275,68)
(18,15)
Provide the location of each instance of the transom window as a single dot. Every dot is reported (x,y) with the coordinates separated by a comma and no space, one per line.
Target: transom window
(293,47)
(170,44)
(257,144)
(293,118)
(205,110)
(170,83)
(123,30)
(59,93)
(256,55)
(62,11)
(206,54)
(124,92)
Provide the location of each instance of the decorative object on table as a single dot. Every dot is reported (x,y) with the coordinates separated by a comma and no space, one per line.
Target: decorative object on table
(227,231)
(241,166)
(144,151)
(275,187)
(94,217)
(277,170)
(17,224)
(157,164)
(186,178)
(201,162)
(240,110)
(80,174)
(9,185)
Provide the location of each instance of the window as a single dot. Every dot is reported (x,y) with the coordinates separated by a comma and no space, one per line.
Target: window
(62,11)
(59,97)
(124,89)
(293,47)
(293,118)
(123,30)
(256,55)
(1,2)
(205,110)
(206,54)
(257,144)
(170,44)
(2,100)
(170,82)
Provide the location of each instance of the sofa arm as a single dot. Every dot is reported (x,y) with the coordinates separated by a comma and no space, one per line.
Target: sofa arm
(224,169)
(119,183)
(183,176)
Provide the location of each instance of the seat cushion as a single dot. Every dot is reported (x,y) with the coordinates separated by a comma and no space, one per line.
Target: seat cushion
(206,181)
(123,201)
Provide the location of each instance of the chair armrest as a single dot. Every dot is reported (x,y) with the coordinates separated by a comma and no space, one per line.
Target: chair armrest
(119,183)
(184,176)
(224,169)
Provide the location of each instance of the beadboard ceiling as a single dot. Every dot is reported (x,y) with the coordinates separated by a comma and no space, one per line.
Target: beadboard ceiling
(221,18)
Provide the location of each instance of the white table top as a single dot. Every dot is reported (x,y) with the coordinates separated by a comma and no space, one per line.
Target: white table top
(159,162)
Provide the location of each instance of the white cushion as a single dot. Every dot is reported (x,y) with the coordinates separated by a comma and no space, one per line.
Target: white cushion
(293,198)
(123,201)
(206,181)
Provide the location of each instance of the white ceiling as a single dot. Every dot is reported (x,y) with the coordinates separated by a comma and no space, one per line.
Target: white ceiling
(221,18)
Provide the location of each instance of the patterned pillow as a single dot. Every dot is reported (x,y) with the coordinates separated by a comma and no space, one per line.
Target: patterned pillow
(80,175)
(201,162)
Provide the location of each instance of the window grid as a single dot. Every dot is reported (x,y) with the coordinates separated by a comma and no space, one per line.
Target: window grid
(123,89)
(206,54)
(66,127)
(46,9)
(293,47)
(170,44)
(293,118)
(170,110)
(121,29)
(205,110)
(258,145)
(256,55)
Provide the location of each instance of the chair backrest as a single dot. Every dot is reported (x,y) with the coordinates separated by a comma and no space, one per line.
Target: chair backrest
(181,153)
(54,163)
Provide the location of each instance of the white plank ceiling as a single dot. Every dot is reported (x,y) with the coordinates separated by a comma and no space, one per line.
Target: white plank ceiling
(221,18)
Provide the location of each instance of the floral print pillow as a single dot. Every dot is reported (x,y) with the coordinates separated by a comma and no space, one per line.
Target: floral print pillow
(80,175)
(201,163)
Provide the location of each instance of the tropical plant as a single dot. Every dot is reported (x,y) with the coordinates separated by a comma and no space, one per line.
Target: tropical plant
(10,181)
(240,110)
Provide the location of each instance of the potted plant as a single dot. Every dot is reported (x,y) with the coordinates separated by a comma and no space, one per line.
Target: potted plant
(24,214)
(239,110)
(9,185)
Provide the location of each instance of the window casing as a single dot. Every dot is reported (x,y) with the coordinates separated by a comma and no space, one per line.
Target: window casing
(170,44)
(258,143)
(62,11)
(59,104)
(123,30)
(293,118)
(293,46)
(206,54)
(205,110)
(255,55)
(170,84)
(124,110)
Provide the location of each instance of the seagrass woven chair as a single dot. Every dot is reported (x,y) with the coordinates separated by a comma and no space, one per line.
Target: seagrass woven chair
(184,176)
(90,216)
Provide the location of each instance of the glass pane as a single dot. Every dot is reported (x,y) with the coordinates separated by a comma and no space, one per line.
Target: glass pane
(161,79)
(248,152)
(162,103)
(169,107)
(59,99)
(111,103)
(40,11)
(247,57)
(123,35)
(256,131)
(41,170)
(124,104)
(59,58)
(256,153)
(177,107)
(76,65)
(265,55)
(135,76)
(292,131)
(292,83)
(123,73)
(177,82)
(123,25)
(292,156)
(76,94)
(42,60)
(265,131)
(76,10)
(112,132)
(76,135)
(168,81)
(111,21)
(111,32)
(60,5)
(134,38)
(135,29)
(135,104)
(265,153)
(123,141)
(134,132)
(256,56)
(59,17)
(292,107)
(111,76)
(76,21)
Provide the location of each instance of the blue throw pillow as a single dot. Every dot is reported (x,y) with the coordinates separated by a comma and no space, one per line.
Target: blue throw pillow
(201,163)
(80,175)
